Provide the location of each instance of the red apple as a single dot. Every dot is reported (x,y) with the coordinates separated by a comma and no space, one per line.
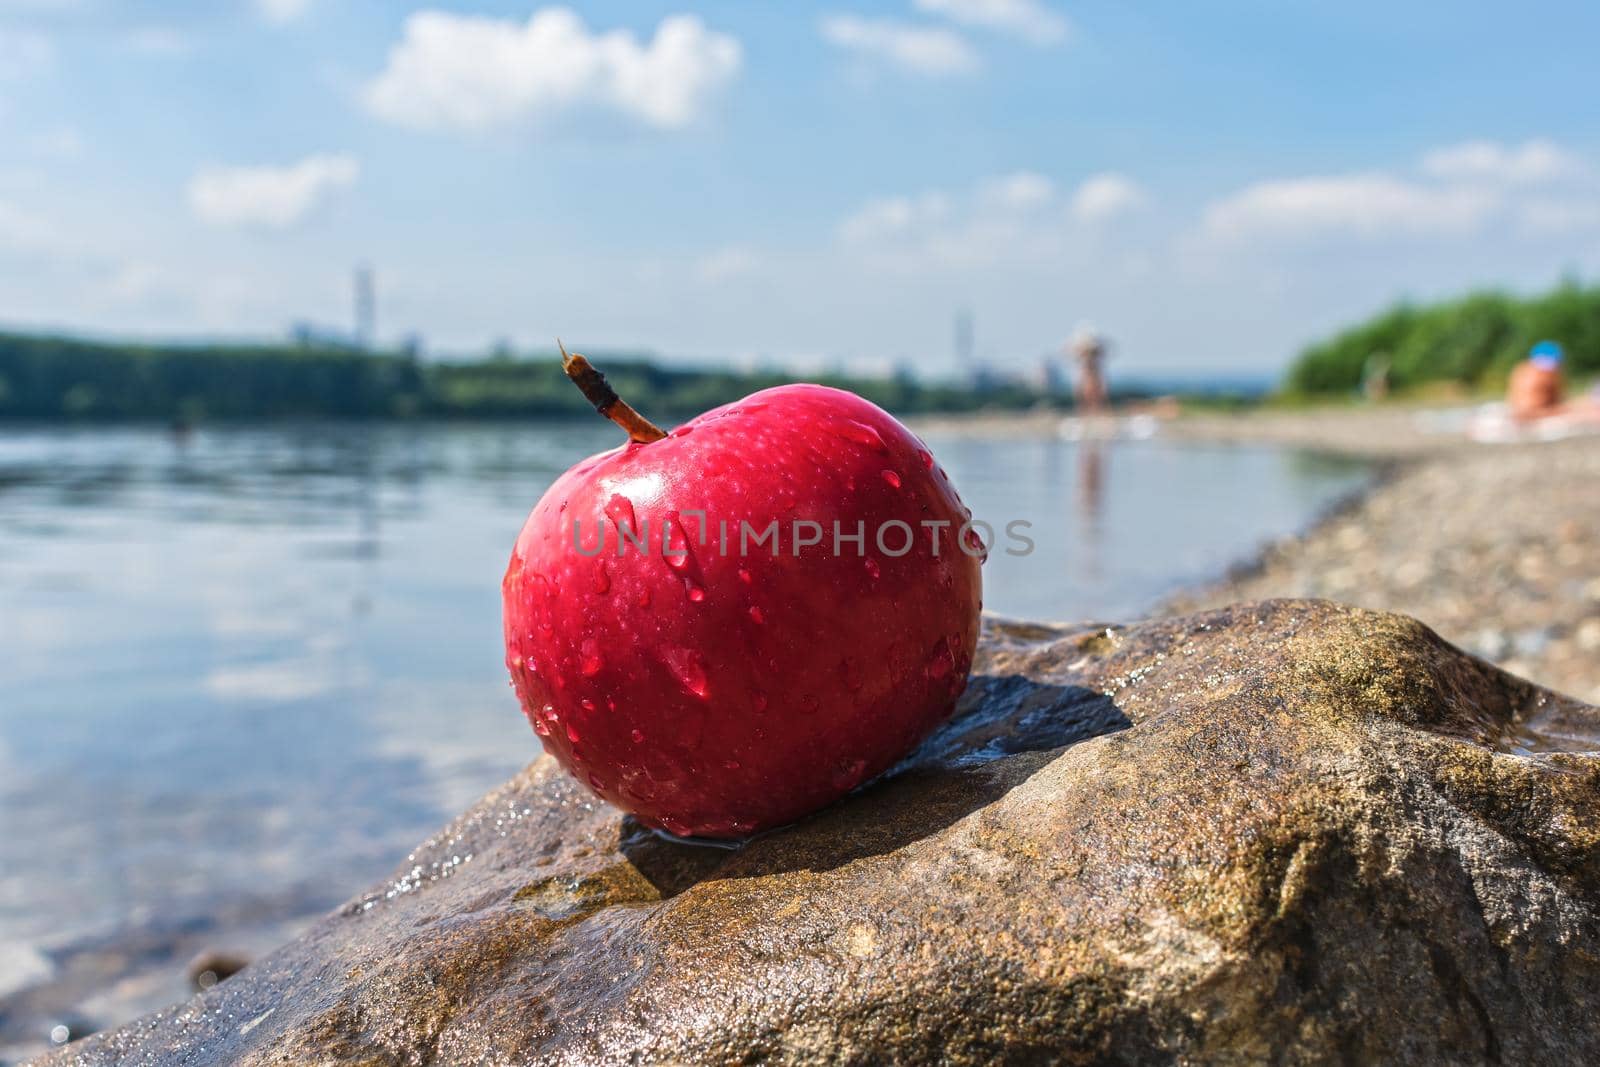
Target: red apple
(706,682)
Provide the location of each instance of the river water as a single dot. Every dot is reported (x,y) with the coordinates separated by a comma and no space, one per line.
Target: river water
(242,671)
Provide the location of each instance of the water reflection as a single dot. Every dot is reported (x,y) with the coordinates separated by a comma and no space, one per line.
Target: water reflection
(1091,501)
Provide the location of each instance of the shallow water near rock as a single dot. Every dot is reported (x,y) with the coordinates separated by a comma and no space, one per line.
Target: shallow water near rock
(247,669)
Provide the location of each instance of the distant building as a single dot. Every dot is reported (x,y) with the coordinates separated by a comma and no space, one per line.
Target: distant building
(366,308)
(964,344)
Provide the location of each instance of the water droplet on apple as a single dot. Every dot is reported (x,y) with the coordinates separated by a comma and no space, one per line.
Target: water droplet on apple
(602,580)
(590,662)
(541,727)
(682,431)
(586,704)
(696,594)
(638,736)
(744,576)
(572,733)
(755,614)
(873,568)
(942,661)
(892,478)
(644,597)
(619,509)
(677,826)
(862,434)
(596,783)
(730,765)
(677,548)
(926,457)
(689,668)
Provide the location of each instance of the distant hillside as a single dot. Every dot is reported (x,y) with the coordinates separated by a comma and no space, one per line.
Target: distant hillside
(1472,341)
(57,377)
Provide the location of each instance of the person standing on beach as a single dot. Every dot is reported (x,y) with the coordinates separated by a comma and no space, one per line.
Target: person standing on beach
(1536,388)
(1089,384)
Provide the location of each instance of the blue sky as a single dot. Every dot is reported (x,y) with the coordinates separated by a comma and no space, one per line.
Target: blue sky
(810,184)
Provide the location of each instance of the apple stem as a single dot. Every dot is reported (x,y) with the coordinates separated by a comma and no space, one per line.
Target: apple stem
(598,392)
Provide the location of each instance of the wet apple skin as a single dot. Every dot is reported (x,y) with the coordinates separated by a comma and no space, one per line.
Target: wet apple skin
(720,689)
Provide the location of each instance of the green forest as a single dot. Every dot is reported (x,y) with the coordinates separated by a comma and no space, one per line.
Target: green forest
(1472,341)
(54,377)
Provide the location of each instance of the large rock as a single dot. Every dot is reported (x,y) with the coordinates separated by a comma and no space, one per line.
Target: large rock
(1286,831)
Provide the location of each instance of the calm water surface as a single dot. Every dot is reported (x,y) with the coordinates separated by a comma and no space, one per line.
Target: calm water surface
(241,673)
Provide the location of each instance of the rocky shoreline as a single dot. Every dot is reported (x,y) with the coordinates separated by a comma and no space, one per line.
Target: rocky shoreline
(1497,547)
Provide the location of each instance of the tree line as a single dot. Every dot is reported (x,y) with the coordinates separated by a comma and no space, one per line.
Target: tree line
(1471,341)
(54,377)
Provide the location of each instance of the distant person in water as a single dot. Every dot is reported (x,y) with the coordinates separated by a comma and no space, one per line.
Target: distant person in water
(1536,388)
(1089,384)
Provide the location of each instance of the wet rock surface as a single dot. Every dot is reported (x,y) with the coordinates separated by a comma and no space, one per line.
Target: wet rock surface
(1287,831)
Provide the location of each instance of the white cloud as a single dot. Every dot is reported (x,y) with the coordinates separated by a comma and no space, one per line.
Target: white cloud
(927,50)
(1528,163)
(472,72)
(1021,191)
(1028,19)
(726,264)
(24,53)
(282,12)
(1533,189)
(895,216)
(271,197)
(1103,197)
(1367,205)
(1004,218)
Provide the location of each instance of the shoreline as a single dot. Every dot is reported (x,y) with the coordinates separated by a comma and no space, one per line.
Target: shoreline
(1494,546)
